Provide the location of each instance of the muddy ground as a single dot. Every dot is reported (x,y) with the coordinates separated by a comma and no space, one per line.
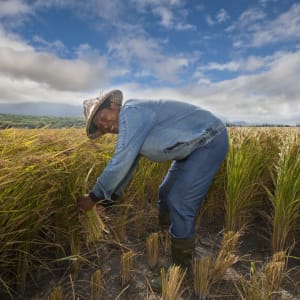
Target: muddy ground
(105,255)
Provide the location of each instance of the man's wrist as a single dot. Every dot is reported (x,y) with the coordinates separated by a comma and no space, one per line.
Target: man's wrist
(93,197)
(104,202)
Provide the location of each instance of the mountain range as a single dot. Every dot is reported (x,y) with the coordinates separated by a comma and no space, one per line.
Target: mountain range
(42,109)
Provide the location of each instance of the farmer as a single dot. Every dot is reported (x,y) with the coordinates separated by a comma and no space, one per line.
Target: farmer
(194,139)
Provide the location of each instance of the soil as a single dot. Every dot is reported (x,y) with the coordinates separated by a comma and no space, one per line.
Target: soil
(105,255)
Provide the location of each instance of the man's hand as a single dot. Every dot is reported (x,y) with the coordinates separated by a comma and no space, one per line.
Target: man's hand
(84,203)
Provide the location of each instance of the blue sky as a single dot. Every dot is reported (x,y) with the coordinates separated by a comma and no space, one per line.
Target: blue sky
(239,59)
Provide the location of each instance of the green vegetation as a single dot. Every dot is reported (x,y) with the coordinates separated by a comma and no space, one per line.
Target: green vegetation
(42,171)
(21,121)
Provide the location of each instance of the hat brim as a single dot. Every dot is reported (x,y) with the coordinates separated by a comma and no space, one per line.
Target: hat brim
(91,129)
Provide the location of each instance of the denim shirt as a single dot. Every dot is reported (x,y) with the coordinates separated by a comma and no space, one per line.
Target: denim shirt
(159,130)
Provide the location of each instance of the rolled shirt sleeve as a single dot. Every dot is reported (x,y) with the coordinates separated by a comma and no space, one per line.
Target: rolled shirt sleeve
(134,125)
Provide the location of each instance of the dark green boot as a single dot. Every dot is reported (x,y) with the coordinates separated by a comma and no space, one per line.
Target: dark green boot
(163,220)
(182,254)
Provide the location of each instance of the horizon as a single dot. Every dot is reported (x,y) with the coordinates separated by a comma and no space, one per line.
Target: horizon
(240,61)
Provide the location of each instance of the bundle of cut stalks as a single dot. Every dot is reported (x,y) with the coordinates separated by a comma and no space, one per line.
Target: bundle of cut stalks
(93,226)
(56,294)
(152,249)
(97,286)
(203,277)
(274,271)
(226,256)
(126,267)
(171,283)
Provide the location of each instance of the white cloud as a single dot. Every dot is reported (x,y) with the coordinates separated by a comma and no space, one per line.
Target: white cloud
(171,14)
(257,31)
(13,41)
(148,55)
(165,15)
(284,27)
(222,16)
(29,74)
(271,96)
(53,47)
(249,64)
(45,68)
(249,17)
(11,8)
(209,20)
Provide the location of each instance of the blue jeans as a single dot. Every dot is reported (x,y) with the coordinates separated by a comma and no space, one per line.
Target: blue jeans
(187,183)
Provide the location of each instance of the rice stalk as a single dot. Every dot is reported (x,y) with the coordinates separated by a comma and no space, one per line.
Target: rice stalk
(126,267)
(121,222)
(274,271)
(97,286)
(56,294)
(93,226)
(286,197)
(171,283)
(152,249)
(262,284)
(226,256)
(245,166)
(202,277)
(252,288)
(36,207)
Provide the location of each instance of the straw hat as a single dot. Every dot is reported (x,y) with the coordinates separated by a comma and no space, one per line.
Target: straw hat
(91,107)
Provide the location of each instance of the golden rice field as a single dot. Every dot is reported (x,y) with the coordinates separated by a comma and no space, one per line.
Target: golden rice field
(248,228)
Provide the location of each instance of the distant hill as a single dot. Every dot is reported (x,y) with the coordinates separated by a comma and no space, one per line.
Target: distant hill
(42,109)
(24,121)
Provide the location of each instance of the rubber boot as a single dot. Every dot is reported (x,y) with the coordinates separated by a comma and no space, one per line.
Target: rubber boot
(163,220)
(182,254)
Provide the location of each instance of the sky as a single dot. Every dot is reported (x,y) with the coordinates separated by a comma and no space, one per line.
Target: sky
(238,59)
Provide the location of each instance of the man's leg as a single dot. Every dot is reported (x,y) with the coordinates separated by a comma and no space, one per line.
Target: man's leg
(194,176)
(164,188)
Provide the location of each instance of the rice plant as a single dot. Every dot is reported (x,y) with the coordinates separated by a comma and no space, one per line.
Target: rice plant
(172,282)
(43,171)
(245,166)
(97,286)
(56,294)
(274,271)
(251,288)
(286,196)
(202,276)
(226,256)
(126,267)
(152,249)
(264,283)
(37,198)
(165,241)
